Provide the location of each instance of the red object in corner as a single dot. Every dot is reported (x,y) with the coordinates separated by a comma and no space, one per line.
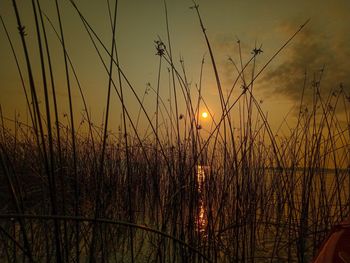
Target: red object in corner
(336,248)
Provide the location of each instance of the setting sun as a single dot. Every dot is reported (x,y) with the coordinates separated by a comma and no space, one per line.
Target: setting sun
(184,132)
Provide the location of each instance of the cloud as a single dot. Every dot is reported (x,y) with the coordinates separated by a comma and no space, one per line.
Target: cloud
(311,51)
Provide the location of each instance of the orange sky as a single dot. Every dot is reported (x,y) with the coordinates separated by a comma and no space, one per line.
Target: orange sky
(325,42)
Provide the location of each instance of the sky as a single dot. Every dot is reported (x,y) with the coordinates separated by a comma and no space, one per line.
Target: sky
(324,43)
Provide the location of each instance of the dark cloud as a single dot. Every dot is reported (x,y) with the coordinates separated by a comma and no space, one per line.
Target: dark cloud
(311,51)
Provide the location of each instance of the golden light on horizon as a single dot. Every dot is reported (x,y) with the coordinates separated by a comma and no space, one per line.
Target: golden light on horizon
(204,115)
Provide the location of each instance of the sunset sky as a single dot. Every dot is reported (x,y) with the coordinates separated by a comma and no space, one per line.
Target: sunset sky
(325,42)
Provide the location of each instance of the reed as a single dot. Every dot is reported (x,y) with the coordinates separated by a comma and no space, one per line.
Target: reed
(176,192)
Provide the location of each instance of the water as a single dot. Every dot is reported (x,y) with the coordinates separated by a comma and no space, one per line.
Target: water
(278,214)
(201,216)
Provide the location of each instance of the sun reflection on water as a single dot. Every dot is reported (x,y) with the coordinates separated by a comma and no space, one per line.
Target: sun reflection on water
(201,214)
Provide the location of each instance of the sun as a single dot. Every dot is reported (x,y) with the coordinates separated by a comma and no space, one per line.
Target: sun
(204,115)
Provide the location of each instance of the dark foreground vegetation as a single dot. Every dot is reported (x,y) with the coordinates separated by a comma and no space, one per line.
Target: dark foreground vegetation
(238,192)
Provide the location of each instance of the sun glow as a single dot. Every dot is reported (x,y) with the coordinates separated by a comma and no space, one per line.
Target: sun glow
(204,115)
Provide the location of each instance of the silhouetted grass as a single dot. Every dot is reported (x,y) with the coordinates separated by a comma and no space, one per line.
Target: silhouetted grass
(238,192)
